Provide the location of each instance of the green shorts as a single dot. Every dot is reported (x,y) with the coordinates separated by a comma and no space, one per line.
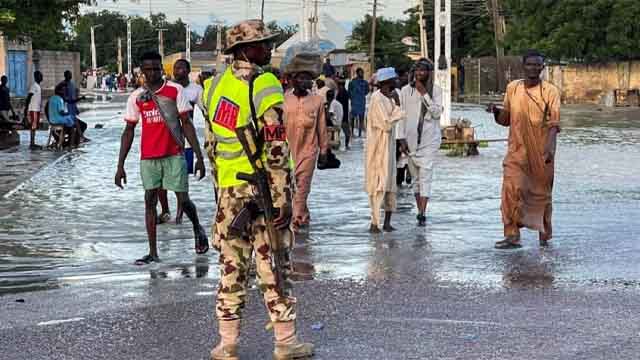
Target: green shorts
(168,173)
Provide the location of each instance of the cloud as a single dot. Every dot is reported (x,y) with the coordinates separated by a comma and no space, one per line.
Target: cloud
(200,13)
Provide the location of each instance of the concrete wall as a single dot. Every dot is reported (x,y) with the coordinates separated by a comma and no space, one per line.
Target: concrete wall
(480,74)
(53,64)
(579,83)
(590,83)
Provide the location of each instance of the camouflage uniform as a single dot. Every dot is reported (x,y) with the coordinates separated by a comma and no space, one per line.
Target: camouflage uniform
(236,252)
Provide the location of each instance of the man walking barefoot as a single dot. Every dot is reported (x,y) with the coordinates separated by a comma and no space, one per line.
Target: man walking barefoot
(165,123)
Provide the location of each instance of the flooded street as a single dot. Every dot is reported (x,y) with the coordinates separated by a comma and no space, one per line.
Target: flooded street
(68,225)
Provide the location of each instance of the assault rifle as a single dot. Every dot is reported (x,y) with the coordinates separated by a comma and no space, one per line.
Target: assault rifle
(263,204)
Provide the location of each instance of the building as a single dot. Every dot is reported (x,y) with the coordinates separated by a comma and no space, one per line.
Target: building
(16,62)
(200,60)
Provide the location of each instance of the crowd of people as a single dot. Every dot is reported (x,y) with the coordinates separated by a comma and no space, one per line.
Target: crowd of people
(60,109)
(402,127)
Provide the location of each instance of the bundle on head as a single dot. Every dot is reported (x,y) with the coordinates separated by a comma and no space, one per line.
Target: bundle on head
(305,62)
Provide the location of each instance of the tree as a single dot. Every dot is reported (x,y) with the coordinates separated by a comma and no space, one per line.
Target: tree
(284,32)
(390,51)
(42,21)
(113,25)
(209,40)
(577,30)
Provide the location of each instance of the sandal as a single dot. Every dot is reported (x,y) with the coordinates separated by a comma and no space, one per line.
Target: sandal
(422,220)
(146,260)
(202,241)
(507,244)
(163,218)
(544,239)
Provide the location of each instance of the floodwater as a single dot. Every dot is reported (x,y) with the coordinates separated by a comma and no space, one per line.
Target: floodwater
(68,225)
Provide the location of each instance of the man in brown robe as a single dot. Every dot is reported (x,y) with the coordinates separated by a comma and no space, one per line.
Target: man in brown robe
(532,112)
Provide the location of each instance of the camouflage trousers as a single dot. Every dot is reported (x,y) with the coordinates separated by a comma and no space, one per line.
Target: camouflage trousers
(235,260)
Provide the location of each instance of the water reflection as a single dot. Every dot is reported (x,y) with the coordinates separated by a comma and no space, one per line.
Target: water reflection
(527,269)
(68,225)
(398,255)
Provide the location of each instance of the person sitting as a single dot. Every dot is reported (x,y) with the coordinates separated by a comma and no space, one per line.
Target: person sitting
(57,111)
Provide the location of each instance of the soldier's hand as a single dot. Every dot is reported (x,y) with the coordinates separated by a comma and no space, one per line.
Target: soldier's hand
(284,218)
(200,168)
(121,176)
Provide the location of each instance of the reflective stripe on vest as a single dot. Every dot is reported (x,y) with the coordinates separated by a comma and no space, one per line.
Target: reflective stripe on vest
(227,95)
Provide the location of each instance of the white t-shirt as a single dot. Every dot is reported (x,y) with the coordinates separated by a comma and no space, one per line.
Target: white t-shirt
(336,109)
(193,93)
(36,99)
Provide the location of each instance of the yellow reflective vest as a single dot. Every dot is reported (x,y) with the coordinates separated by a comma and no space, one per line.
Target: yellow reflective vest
(226,99)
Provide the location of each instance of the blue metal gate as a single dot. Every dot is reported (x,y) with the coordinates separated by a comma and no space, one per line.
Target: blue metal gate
(17,73)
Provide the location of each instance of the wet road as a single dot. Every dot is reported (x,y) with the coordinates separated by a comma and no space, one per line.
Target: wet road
(438,293)
(68,225)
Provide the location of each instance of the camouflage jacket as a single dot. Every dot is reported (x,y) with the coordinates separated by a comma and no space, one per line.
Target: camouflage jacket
(277,151)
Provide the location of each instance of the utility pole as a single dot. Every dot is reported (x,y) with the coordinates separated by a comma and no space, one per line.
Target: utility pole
(94,62)
(161,42)
(424,49)
(188,42)
(316,19)
(219,37)
(372,49)
(303,21)
(442,17)
(499,29)
(119,55)
(129,69)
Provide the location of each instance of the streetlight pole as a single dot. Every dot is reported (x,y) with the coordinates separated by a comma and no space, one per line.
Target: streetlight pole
(129,69)
(442,27)
(94,61)
(161,42)
(188,42)
(372,50)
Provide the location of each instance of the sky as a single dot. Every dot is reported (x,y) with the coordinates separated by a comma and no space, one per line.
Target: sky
(200,13)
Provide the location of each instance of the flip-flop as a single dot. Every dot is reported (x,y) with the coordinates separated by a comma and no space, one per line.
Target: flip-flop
(146,260)
(507,244)
(202,241)
(163,218)
(422,220)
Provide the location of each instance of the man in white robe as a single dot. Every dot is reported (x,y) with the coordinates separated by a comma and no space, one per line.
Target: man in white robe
(422,102)
(380,162)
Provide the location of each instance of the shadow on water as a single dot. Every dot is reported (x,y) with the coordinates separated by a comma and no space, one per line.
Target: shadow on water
(527,268)
(68,225)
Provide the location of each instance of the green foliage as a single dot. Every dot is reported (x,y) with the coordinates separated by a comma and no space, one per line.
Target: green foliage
(144,36)
(42,21)
(284,32)
(389,51)
(577,30)
(472,34)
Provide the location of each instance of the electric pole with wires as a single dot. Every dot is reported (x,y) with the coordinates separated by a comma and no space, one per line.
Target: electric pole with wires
(372,49)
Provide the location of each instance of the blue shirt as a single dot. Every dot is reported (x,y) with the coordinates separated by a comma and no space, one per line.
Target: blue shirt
(358,90)
(57,114)
(71,96)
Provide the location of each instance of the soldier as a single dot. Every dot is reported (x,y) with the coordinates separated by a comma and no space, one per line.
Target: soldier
(227,105)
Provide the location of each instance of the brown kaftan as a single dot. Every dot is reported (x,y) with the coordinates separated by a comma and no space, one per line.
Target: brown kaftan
(528,182)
